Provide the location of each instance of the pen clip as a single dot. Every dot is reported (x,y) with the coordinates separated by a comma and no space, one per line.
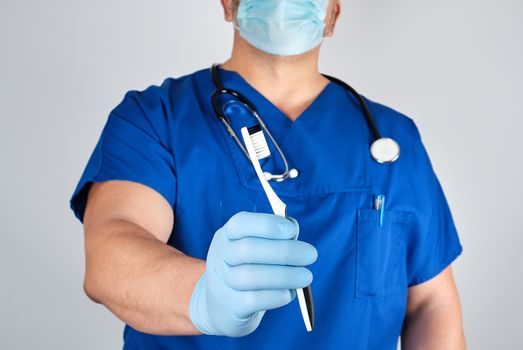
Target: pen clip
(379,204)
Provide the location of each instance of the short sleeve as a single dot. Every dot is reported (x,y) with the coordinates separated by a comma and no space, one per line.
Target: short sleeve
(435,244)
(133,147)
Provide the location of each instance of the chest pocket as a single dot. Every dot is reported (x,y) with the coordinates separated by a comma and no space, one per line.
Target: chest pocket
(380,255)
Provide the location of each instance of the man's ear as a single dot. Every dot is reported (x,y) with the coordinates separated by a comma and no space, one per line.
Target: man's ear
(332,18)
(228,10)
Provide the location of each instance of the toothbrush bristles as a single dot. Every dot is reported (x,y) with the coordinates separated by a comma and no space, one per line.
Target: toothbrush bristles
(260,142)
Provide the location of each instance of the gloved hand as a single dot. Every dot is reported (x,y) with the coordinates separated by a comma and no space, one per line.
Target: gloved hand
(253,264)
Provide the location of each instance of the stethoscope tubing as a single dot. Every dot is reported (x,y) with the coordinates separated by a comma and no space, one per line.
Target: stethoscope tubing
(376,147)
(366,111)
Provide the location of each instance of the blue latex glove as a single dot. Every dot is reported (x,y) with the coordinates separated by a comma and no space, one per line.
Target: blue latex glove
(253,264)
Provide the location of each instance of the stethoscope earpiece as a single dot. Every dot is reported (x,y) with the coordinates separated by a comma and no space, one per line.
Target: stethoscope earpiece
(291,174)
(294,173)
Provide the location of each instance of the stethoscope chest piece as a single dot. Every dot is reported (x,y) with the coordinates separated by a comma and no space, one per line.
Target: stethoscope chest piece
(385,150)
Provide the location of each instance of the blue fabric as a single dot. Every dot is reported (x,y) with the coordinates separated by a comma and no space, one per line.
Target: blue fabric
(167,137)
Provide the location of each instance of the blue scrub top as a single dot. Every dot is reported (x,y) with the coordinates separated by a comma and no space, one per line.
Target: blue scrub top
(168,138)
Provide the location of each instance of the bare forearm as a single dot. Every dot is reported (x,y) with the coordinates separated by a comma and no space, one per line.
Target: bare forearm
(143,281)
(434,327)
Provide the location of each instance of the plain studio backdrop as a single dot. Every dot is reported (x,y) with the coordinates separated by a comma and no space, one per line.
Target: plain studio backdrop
(454,66)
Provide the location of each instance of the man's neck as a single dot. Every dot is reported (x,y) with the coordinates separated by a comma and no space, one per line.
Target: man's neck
(290,83)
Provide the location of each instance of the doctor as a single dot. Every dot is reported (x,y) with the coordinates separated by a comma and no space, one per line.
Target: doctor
(179,241)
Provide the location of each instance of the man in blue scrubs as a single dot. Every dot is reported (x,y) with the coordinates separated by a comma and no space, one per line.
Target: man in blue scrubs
(180,243)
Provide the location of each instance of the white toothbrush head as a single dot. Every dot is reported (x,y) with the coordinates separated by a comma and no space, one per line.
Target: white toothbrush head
(259,142)
(278,207)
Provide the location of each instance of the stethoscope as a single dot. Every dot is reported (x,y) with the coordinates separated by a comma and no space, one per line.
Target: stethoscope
(384,150)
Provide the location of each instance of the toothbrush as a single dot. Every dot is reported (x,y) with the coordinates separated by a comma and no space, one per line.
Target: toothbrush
(257,147)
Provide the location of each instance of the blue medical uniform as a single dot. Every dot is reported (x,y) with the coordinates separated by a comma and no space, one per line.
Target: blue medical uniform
(168,138)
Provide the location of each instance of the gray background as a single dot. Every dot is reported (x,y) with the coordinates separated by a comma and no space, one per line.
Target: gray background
(455,66)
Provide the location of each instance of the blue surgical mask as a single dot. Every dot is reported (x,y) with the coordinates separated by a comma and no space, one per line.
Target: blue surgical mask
(282,27)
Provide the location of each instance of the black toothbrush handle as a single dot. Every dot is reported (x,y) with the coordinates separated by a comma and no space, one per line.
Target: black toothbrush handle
(307,292)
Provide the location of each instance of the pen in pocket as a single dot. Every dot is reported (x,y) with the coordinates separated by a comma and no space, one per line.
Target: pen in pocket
(379,204)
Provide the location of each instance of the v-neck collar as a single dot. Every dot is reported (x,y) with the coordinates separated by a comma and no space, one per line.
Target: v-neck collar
(326,137)
(278,123)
